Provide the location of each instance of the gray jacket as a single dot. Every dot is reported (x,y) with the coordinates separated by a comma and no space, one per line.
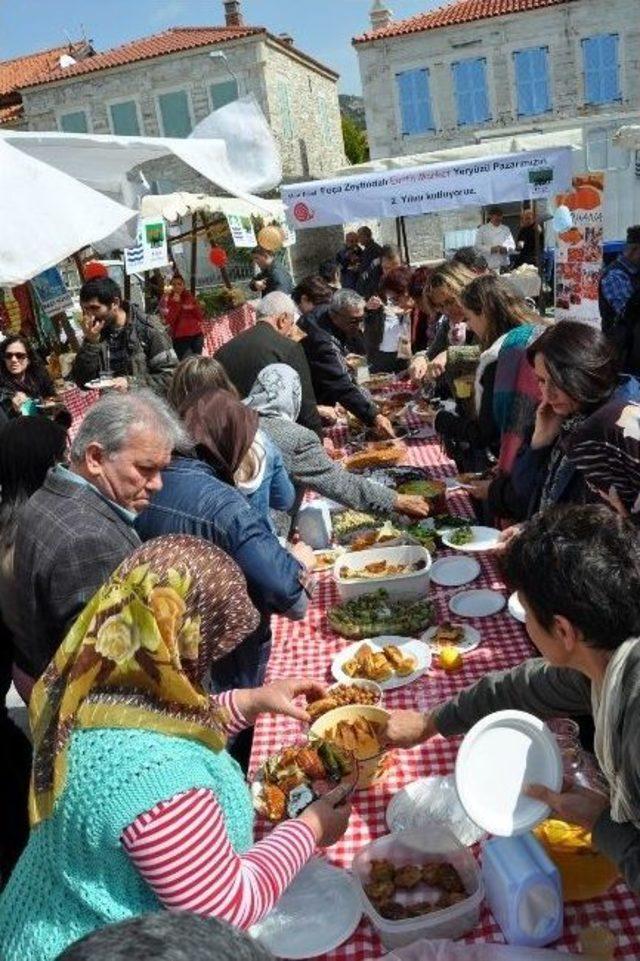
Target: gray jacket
(547,692)
(69,540)
(309,466)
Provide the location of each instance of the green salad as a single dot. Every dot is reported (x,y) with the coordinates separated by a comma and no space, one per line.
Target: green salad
(463,535)
(375,614)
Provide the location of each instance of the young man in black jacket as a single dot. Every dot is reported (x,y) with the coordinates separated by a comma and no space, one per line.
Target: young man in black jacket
(332,333)
(120,339)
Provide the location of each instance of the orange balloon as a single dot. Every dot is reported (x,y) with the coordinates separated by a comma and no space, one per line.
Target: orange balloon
(271,238)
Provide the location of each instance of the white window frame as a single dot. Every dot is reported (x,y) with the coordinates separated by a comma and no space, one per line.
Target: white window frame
(133,99)
(405,67)
(64,111)
(161,91)
(609,131)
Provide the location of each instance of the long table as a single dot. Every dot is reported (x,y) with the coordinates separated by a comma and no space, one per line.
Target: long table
(308,647)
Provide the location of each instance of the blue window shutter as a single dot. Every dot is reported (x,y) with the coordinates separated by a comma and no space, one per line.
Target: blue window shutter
(480,96)
(610,84)
(464,92)
(532,81)
(75,122)
(470,84)
(174,108)
(223,93)
(601,68)
(124,119)
(415,101)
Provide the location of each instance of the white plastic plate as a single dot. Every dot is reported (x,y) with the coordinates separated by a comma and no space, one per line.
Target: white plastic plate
(484,539)
(479,603)
(318,912)
(454,571)
(408,645)
(500,756)
(516,609)
(472,639)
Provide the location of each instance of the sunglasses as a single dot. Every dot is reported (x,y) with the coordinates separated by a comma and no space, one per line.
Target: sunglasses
(9,354)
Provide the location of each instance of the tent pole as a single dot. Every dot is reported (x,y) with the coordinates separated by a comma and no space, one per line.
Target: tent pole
(398,234)
(403,225)
(194,252)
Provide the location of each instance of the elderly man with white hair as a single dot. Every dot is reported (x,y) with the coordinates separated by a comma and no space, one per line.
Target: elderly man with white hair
(269,342)
(78,527)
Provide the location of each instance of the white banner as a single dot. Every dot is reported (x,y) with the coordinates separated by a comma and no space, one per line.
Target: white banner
(528,175)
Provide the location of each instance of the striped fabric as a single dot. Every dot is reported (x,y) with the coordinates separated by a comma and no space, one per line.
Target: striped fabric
(182,850)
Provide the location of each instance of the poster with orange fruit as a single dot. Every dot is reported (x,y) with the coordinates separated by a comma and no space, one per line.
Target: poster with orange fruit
(579,250)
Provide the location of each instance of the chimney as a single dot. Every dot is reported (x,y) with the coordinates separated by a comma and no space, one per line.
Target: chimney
(233,13)
(286,38)
(380,15)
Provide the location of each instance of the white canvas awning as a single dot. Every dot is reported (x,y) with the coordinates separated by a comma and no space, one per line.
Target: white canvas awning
(233,148)
(175,206)
(46,215)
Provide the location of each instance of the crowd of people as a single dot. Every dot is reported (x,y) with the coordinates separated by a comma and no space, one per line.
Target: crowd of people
(142,560)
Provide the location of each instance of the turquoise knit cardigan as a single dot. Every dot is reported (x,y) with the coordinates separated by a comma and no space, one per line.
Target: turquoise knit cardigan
(74,875)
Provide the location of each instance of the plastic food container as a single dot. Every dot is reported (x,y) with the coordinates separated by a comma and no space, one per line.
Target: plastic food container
(523,890)
(370,770)
(434,843)
(414,584)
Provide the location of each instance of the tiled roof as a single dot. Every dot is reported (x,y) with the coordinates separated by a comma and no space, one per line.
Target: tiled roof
(21,71)
(7,114)
(460,11)
(174,40)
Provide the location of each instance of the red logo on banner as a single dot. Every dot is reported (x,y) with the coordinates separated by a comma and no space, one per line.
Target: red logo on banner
(302,213)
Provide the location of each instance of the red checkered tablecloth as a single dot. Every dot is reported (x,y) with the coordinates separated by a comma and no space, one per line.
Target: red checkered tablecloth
(308,647)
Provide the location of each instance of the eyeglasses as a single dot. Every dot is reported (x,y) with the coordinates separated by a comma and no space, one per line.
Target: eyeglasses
(9,354)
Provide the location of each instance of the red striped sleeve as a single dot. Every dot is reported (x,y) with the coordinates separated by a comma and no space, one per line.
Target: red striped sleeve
(238,722)
(182,850)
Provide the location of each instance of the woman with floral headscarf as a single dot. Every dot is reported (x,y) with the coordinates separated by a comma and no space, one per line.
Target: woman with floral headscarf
(135,804)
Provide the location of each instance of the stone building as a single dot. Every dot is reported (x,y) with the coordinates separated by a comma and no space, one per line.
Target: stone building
(163,85)
(474,70)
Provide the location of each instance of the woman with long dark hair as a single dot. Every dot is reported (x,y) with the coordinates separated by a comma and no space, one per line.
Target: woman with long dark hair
(23,376)
(499,318)
(577,374)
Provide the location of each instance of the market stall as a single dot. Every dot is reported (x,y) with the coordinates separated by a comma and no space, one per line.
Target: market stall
(309,648)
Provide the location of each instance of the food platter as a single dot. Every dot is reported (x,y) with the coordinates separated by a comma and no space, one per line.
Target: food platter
(377,614)
(469,642)
(481,539)
(409,647)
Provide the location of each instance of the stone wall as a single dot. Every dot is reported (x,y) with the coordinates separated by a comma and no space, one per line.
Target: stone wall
(258,63)
(561,28)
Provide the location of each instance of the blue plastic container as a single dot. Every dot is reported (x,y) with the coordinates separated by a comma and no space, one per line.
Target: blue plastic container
(523,890)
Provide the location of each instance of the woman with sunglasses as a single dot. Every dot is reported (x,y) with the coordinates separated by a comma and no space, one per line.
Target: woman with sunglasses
(23,377)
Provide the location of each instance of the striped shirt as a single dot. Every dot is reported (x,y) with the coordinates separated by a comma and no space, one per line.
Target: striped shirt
(182,850)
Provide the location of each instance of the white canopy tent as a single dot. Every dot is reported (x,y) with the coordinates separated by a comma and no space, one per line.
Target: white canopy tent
(47,216)
(175,206)
(233,148)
